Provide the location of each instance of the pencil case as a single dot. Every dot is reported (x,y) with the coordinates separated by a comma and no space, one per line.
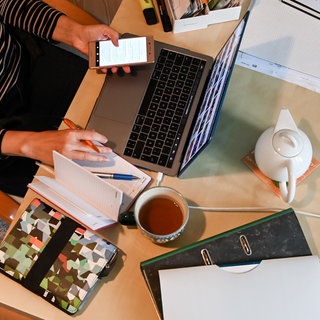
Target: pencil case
(55,257)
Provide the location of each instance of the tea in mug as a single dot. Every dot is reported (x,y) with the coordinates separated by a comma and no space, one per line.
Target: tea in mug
(161,216)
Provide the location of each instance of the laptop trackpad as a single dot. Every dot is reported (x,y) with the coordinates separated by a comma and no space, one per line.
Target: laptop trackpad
(121,95)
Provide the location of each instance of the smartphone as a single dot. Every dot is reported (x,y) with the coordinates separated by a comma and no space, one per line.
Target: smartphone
(131,51)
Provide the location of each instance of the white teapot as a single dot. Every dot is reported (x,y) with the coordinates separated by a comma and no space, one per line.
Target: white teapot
(284,153)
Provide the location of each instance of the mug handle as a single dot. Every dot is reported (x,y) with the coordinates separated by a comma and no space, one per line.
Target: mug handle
(288,192)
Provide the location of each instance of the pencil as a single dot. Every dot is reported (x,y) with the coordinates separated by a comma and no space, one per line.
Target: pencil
(73,126)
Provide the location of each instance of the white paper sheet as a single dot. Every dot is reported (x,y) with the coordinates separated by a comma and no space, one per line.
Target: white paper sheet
(287,288)
(283,35)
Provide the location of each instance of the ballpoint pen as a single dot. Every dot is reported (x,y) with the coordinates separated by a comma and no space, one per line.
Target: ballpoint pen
(115,176)
(73,126)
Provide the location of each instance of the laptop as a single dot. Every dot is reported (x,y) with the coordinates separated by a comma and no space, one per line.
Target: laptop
(162,115)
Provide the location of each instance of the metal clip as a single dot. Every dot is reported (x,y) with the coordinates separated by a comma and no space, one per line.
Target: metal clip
(245,245)
(206,257)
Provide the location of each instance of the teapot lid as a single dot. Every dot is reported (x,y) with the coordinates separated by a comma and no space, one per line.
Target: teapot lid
(288,143)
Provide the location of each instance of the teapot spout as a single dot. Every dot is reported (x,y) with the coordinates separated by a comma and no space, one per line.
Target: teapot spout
(285,121)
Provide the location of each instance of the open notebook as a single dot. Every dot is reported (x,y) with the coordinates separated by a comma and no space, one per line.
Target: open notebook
(93,201)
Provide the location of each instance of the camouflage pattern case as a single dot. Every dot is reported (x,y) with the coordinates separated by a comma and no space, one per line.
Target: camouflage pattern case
(55,257)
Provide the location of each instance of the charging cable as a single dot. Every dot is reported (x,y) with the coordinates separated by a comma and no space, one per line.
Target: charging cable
(159,178)
(239,209)
(252,209)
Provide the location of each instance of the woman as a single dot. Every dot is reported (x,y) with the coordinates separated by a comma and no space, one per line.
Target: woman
(37,84)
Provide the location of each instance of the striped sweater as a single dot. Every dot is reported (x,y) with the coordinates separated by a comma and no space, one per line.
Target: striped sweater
(33,16)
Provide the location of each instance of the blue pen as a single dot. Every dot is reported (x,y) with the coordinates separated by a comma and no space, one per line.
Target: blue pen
(116,176)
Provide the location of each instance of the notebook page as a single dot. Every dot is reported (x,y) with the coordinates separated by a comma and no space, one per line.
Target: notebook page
(116,164)
(80,210)
(105,197)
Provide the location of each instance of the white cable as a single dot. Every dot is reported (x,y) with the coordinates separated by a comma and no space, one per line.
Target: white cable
(315,215)
(244,209)
(159,178)
(236,209)
(240,209)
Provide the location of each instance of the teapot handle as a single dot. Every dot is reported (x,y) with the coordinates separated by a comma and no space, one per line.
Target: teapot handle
(288,192)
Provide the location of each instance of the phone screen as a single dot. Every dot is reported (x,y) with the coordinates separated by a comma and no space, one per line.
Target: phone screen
(129,51)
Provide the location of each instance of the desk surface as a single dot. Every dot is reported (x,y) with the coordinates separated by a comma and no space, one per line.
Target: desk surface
(217,178)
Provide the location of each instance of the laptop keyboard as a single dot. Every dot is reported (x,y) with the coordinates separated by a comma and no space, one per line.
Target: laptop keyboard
(159,124)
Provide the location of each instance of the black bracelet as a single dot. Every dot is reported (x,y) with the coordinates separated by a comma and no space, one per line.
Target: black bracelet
(2,133)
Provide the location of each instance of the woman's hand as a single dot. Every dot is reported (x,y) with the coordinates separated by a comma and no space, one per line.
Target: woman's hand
(39,145)
(78,36)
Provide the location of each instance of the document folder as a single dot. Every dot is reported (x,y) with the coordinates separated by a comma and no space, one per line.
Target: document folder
(276,236)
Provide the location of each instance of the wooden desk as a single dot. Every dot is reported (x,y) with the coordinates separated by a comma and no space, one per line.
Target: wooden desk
(217,178)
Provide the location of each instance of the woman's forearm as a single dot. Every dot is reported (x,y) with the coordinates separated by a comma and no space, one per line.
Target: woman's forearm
(39,145)
(78,36)
(67,31)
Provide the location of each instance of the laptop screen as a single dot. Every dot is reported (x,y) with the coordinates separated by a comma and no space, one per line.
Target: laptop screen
(210,106)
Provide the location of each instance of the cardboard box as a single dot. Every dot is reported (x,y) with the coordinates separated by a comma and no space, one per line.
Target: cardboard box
(203,21)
